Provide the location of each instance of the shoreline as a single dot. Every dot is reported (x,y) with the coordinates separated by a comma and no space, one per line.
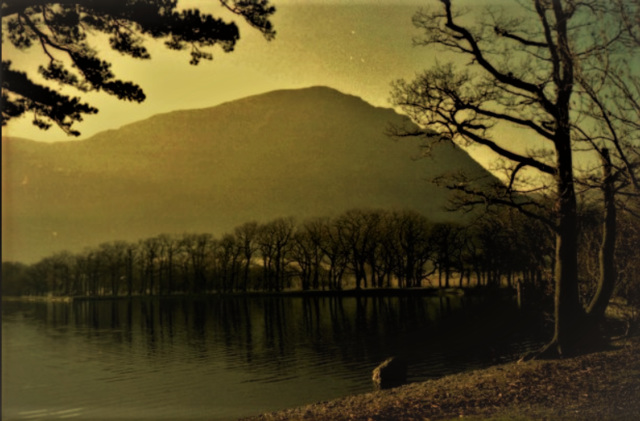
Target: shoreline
(38,299)
(371,292)
(596,386)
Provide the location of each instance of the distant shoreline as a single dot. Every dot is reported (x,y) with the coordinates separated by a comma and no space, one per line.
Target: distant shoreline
(374,292)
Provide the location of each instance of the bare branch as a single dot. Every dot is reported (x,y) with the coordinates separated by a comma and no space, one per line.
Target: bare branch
(508,78)
(524,160)
(512,119)
(483,197)
(504,33)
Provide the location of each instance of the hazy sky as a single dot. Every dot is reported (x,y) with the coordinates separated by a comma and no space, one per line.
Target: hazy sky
(358,47)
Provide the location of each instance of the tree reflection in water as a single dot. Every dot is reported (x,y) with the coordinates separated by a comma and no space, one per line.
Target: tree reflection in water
(285,335)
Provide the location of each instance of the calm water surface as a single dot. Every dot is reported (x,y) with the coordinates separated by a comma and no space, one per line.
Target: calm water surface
(224,358)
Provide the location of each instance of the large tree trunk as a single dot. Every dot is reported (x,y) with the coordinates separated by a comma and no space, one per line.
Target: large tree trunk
(606,281)
(568,312)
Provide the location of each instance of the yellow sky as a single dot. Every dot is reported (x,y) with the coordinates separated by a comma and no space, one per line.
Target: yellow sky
(357,47)
(347,49)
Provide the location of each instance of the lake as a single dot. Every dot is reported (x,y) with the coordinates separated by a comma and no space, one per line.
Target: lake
(221,358)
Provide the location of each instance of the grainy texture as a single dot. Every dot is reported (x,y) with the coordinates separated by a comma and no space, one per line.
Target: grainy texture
(597,386)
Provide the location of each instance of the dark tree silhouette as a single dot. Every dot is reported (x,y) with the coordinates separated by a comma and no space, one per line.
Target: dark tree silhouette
(332,246)
(446,241)
(228,255)
(357,230)
(197,248)
(313,233)
(413,243)
(247,235)
(15,277)
(63,31)
(274,241)
(303,253)
(527,72)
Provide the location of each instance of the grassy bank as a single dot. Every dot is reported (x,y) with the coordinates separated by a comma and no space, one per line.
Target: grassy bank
(597,386)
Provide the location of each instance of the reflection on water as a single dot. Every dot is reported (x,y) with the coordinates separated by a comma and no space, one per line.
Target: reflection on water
(222,358)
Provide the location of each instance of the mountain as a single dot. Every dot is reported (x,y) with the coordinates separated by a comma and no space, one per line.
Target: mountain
(302,153)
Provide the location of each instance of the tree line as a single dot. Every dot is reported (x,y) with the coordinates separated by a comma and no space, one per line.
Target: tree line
(356,249)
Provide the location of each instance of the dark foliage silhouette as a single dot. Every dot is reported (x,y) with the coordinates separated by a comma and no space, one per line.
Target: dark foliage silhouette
(64,31)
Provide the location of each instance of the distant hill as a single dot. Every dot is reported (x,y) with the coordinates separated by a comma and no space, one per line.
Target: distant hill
(302,153)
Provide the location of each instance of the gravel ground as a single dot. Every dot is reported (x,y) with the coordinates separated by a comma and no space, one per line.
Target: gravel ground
(598,386)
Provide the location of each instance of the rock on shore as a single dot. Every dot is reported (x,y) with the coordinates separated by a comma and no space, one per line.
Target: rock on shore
(391,373)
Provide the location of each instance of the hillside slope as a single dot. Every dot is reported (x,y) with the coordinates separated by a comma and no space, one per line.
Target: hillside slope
(301,153)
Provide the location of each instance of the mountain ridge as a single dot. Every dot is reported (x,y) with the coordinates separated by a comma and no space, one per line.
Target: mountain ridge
(303,153)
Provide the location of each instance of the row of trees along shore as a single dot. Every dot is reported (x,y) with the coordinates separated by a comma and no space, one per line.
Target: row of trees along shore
(357,249)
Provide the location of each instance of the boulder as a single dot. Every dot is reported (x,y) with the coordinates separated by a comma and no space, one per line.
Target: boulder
(391,373)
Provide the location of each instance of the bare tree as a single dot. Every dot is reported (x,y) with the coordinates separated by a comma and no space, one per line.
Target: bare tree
(170,247)
(197,249)
(247,235)
(412,241)
(337,255)
(304,255)
(446,240)
(357,229)
(523,72)
(275,240)
(228,258)
(312,230)
(608,88)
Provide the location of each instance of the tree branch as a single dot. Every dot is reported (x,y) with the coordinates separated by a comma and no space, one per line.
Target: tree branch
(524,160)
(488,200)
(530,43)
(506,117)
(508,79)
(604,114)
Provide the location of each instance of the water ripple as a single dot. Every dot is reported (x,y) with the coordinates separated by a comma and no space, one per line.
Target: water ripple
(222,360)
